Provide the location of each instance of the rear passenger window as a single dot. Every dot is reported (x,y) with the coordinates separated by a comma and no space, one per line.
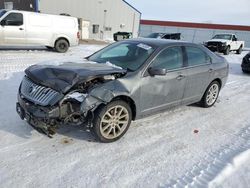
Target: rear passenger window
(169,59)
(14,19)
(196,56)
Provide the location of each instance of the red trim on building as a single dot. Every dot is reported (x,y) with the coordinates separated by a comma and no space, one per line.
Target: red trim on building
(196,25)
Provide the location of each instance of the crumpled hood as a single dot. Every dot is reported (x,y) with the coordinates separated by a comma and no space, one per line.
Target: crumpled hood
(64,76)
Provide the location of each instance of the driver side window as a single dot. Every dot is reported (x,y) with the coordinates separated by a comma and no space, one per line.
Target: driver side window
(169,59)
(13,19)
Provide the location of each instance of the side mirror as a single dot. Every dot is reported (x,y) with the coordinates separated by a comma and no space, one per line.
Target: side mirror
(157,71)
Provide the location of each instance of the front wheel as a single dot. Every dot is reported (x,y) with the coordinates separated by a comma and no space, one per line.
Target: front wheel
(211,95)
(112,121)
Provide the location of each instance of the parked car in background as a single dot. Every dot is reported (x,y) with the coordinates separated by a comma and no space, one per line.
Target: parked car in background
(118,36)
(125,81)
(245,65)
(172,36)
(21,28)
(224,43)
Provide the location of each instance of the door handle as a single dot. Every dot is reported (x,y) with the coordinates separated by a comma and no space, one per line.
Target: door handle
(21,29)
(210,70)
(180,77)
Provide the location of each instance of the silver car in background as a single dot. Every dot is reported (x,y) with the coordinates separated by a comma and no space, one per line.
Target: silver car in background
(125,81)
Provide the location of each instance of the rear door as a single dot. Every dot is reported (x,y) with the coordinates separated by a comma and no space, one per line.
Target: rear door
(13,29)
(161,92)
(199,72)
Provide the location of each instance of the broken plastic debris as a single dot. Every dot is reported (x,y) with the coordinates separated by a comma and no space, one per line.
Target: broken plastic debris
(77,96)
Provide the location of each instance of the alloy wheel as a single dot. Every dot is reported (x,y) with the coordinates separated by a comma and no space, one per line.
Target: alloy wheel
(114,122)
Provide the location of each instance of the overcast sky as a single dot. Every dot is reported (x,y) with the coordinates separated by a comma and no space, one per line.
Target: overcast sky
(208,11)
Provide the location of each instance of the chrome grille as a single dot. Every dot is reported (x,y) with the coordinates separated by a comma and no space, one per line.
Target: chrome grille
(39,94)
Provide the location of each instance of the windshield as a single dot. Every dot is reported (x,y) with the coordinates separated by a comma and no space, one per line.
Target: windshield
(127,55)
(2,12)
(225,37)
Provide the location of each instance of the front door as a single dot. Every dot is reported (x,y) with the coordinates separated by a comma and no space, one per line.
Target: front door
(161,92)
(13,29)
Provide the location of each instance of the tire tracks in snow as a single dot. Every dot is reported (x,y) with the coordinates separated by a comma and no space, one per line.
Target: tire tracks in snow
(202,174)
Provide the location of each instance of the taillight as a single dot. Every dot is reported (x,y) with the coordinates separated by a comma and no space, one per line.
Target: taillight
(78,35)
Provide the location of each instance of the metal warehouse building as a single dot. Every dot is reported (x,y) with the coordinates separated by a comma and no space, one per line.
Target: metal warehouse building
(99,19)
(194,32)
(29,5)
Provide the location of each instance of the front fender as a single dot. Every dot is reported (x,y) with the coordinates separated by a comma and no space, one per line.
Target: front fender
(103,95)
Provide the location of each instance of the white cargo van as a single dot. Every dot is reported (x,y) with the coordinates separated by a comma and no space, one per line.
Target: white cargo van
(21,28)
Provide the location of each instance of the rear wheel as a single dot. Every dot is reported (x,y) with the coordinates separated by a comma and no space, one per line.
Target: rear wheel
(227,51)
(62,46)
(211,95)
(112,121)
(239,50)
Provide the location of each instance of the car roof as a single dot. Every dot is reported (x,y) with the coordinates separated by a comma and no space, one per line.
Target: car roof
(161,42)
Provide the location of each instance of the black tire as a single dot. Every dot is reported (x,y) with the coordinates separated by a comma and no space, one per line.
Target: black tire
(98,128)
(204,101)
(227,51)
(61,46)
(239,50)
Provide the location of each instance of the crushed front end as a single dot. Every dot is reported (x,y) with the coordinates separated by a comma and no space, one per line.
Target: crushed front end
(44,108)
(50,96)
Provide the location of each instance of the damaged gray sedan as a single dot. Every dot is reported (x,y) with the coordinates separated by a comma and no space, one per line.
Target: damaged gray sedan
(125,81)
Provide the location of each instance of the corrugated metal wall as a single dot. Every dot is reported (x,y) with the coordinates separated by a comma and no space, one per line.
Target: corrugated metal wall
(29,5)
(194,34)
(117,14)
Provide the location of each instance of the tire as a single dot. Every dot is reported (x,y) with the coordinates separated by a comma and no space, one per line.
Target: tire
(209,99)
(227,51)
(106,127)
(61,46)
(239,50)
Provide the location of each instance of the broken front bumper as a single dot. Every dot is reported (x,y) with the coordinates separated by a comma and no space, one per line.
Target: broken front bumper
(37,117)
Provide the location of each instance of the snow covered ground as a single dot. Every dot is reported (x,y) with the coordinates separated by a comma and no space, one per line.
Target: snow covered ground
(159,151)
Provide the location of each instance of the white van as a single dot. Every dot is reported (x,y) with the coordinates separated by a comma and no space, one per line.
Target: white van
(21,28)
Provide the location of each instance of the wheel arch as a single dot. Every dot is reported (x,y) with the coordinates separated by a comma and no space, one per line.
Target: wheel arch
(218,80)
(130,102)
(62,37)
